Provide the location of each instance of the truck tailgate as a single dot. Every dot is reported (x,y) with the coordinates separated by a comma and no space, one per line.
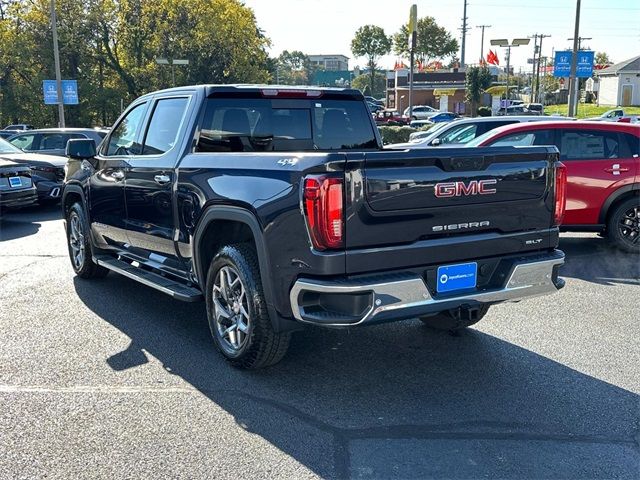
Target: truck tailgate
(433,205)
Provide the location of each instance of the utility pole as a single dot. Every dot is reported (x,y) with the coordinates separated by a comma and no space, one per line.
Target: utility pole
(464,33)
(482,41)
(540,36)
(56,60)
(413,35)
(533,68)
(506,97)
(573,80)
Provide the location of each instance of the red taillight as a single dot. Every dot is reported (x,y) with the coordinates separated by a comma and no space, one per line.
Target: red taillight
(324,209)
(561,193)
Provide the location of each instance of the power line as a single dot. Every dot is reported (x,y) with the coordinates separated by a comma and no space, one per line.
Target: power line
(580,39)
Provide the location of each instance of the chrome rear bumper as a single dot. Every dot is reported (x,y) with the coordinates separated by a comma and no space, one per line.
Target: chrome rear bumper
(399,296)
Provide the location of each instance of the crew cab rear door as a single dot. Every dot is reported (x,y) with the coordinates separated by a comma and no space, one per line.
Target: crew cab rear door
(437,198)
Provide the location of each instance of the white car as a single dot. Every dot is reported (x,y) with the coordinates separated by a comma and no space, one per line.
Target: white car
(609,116)
(421,112)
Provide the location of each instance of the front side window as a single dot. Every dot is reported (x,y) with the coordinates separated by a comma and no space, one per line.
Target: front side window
(162,132)
(122,140)
(259,124)
(525,139)
(24,142)
(588,145)
(459,134)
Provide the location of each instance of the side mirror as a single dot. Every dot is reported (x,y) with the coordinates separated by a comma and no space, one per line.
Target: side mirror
(81,148)
(435,142)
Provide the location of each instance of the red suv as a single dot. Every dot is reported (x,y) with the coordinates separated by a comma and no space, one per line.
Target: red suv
(603,173)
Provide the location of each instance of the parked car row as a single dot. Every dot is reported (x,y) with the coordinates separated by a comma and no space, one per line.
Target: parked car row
(601,158)
(33,161)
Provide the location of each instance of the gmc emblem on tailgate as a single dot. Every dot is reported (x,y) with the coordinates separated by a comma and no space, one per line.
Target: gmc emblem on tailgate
(458,189)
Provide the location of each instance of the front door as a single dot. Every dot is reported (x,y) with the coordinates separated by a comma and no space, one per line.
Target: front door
(627,93)
(107,212)
(598,163)
(150,178)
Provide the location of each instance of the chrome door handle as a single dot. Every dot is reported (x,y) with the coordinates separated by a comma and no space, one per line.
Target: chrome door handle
(162,179)
(616,169)
(117,174)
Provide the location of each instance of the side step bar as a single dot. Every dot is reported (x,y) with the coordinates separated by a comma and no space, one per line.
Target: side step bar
(177,290)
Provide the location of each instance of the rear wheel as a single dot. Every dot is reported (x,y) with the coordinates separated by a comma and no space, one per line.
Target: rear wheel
(237,311)
(455,319)
(79,245)
(624,225)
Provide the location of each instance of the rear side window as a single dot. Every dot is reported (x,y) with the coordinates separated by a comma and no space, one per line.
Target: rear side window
(249,125)
(164,126)
(56,141)
(589,145)
(25,142)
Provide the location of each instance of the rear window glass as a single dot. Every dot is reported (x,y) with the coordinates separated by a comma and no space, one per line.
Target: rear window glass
(589,145)
(249,125)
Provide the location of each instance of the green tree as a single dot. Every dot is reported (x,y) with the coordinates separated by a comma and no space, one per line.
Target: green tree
(602,58)
(432,41)
(379,84)
(294,68)
(371,42)
(477,80)
(110,47)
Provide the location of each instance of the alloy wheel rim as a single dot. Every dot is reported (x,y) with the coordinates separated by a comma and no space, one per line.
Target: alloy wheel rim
(231,309)
(629,225)
(76,241)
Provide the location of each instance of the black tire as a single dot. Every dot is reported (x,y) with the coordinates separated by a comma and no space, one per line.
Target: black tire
(414,118)
(623,227)
(84,266)
(253,344)
(451,320)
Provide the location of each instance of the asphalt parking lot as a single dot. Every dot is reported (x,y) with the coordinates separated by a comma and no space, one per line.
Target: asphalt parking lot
(111,379)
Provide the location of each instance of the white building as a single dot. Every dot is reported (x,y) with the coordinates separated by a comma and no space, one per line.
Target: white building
(619,84)
(330,62)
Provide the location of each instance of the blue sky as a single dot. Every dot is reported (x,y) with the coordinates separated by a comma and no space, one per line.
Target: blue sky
(327,26)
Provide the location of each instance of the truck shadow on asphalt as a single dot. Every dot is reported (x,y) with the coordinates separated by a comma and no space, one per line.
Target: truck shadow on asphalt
(24,222)
(393,400)
(594,259)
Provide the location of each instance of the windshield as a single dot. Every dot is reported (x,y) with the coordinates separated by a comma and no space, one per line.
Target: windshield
(6,147)
(260,124)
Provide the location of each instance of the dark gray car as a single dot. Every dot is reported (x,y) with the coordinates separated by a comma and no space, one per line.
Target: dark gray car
(53,141)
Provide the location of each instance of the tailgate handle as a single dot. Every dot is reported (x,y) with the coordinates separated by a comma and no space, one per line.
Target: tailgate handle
(467,163)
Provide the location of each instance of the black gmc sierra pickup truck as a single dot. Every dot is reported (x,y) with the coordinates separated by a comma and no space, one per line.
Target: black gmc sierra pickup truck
(278,207)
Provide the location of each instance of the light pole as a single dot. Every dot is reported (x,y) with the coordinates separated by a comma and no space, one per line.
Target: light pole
(56,60)
(573,78)
(503,42)
(173,63)
(482,41)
